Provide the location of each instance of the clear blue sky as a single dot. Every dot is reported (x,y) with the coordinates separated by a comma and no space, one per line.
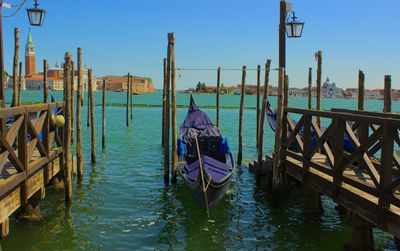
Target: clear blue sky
(131,36)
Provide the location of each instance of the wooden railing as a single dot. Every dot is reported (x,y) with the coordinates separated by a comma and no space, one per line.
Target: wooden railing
(359,150)
(30,142)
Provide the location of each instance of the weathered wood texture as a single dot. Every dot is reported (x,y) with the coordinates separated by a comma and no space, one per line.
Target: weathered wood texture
(277,169)
(164,100)
(242,94)
(260,136)
(92,119)
(19,83)
(258,104)
(309,88)
(67,130)
(131,97)
(72,90)
(15,67)
(103,135)
(79,159)
(217,94)
(361,176)
(319,80)
(167,112)
(173,107)
(45,84)
(387,99)
(361,90)
(127,98)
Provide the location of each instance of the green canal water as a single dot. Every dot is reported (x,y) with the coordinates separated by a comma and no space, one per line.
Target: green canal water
(123,204)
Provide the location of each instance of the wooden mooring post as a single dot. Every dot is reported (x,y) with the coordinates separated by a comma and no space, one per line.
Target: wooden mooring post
(258,106)
(72,100)
(217,95)
(79,160)
(164,98)
(15,67)
(92,119)
(173,117)
(387,99)
(310,88)
(277,168)
(103,135)
(260,135)
(131,97)
(67,130)
(361,90)
(242,94)
(318,56)
(88,106)
(127,99)
(167,113)
(19,83)
(45,84)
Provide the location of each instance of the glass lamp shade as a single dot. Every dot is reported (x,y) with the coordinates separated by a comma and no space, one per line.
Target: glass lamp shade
(294,29)
(36,16)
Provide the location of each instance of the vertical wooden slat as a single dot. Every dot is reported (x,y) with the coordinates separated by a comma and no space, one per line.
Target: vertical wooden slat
(15,67)
(338,151)
(103,138)
(45,84)
(217,94)
(387,99)
(286,92)
(258,104)
(67,132)
(386,174)
(310,88)
(92,119)
(260,145)
(79,160)
(242,94)
(173,103)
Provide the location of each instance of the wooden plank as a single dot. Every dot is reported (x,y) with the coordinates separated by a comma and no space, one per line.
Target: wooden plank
(322,140)
(36,164)
(294,134)
(34,183)
(13,131)
(9,204)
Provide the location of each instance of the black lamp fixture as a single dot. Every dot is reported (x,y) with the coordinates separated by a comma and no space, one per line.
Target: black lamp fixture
(36,16)
(294,29)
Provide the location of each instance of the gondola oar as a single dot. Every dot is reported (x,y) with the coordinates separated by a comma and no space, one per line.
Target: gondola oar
(202,176)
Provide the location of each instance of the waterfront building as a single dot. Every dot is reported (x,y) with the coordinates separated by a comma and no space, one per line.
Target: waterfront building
(297,92)
(119,84)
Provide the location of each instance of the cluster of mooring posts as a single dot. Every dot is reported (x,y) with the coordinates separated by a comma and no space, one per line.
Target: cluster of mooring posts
(35,140)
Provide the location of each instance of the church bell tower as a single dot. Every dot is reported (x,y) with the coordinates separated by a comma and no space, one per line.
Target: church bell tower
(30,67)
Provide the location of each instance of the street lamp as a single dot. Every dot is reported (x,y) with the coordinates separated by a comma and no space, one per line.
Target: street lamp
(36,16)
(294,29)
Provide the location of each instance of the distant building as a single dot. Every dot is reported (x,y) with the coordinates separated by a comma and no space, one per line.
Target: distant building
(297,92)
(119,84)
(30,66)
(330,90)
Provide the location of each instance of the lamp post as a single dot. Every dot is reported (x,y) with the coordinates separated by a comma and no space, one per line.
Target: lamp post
(293,28)
(36,18)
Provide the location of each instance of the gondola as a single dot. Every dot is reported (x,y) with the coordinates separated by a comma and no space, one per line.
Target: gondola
(205,160)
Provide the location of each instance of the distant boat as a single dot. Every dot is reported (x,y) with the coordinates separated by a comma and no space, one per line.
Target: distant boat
(205,160)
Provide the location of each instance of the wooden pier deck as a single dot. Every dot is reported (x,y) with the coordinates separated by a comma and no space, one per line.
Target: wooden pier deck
(353,160)
(31,149)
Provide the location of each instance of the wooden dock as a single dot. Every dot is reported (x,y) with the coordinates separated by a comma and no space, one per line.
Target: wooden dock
(31,150)
(353,160)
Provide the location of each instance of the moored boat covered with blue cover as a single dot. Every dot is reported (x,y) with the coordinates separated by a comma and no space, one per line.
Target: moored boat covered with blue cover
(207,174)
